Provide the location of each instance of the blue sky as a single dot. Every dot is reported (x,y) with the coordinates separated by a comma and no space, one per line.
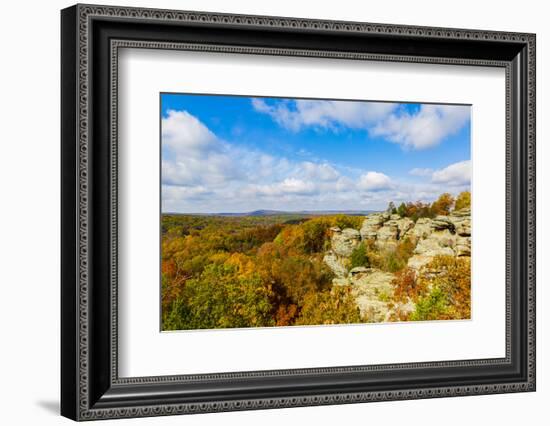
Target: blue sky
(237,154)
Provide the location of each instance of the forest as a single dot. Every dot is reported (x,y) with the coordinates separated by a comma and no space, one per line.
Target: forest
(268,270)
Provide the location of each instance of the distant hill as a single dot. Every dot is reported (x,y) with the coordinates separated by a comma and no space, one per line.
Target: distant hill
(282,213)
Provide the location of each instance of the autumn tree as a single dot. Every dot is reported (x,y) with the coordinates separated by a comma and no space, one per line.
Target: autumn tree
(463,200)
(449,295)
(336,306)
(220,298)
(442,206)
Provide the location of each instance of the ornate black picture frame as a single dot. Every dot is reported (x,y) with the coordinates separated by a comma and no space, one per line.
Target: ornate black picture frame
(91,36)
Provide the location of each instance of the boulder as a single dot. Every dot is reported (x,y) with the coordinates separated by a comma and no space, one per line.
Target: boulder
(371,289)
(465,212)
(358,270)
(336,264)
(340,281)
(387,235)
(439,243)
(462,222)
(422,228)
(389,231)
(463,246)
(371,225)
(404,225)
(343,242)
(441,222)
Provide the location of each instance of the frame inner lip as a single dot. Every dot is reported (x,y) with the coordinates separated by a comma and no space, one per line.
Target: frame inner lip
(115,45)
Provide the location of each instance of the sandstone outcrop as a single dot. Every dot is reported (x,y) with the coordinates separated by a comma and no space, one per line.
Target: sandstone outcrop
(372,288)
(336,264)
(343,242)
(443,235)
(447,235)
(372,224)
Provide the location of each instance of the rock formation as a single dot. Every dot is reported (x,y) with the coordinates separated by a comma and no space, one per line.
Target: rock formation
(443,235)
(372,288)
(342,244)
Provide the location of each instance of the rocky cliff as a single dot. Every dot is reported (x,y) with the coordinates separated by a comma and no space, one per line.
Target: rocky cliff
(443,235)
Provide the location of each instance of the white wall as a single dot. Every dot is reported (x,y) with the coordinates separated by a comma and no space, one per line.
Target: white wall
(29,225)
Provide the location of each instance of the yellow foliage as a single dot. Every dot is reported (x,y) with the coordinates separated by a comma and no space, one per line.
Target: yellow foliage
(463,200)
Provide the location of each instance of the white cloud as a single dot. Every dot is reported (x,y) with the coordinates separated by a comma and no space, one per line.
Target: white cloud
(323,171)
(295,115)
(455,174)
(203,173)
(374,181)
(182,132)
(425,128)
(192,154)
(287,186)
(421,172)
(174,193)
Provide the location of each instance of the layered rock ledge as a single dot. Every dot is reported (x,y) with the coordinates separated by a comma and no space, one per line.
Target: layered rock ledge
(443,235)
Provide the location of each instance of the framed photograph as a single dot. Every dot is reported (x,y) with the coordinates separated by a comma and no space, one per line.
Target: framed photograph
(263,212)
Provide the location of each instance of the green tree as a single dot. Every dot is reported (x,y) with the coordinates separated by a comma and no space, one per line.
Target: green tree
(402,210)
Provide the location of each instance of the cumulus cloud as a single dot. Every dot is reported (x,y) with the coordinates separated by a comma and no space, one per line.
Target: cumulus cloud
(322,171)
(174,193)
(428,127)
(287,186)
(374,181)
(424,128)
(295,115)
(455,174)
(182,132)
(421,172)
(203,173)
(192,154)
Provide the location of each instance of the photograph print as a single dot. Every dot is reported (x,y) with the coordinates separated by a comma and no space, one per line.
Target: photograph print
(281,212)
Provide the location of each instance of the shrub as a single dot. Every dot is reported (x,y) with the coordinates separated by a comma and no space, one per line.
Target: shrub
(406,286)
(391,259)
(433,306)
(450,289)
(347,221)
(359,256)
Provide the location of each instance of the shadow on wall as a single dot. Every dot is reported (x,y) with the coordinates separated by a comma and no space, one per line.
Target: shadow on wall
(50,406)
